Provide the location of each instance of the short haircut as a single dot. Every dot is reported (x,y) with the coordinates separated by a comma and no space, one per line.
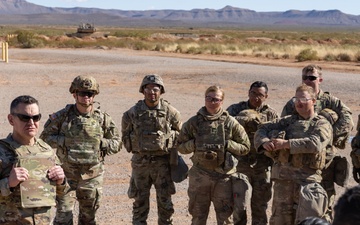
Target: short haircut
(25,99)
(259,84)
(215,88)
(313,69)
(347,207)
(313,221)
(310,90)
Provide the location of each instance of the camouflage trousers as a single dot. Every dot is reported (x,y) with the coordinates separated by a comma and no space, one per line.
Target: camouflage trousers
(328,184)
(87,191)
(206,187)
(293,202)
(261,192)
(148,171)
(32,216)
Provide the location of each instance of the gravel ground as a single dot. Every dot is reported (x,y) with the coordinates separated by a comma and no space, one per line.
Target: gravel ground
(47,73)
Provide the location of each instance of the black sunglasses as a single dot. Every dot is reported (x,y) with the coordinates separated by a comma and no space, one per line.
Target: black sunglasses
(27,118)
(85,93)
(312,78)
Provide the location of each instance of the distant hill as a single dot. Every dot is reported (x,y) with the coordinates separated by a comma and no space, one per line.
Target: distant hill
(23,12)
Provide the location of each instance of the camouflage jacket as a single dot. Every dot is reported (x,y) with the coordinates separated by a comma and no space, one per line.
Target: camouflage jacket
(265,111)
(10,198)
(342,127)
(162,126)
(355,145)
(56,132)
(309,140)
(236,141)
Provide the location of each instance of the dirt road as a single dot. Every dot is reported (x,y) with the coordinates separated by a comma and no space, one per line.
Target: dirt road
(46,74)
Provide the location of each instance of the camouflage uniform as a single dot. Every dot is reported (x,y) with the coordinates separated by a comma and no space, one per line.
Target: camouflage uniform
(355,153)
(150,134)
(255,166)
(14,209)
(82,142)
(297,172)
(214,141)
(341,132)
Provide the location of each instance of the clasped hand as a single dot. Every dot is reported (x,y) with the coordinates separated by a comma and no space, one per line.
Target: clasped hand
(20,174)
(276,144)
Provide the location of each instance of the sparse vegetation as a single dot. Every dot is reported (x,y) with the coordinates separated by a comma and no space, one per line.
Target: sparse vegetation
(307,55)
(300,45)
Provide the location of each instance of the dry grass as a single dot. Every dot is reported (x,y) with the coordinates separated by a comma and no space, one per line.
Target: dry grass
(285,44)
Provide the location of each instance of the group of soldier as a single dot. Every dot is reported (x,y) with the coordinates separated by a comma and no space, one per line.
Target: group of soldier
(242,157)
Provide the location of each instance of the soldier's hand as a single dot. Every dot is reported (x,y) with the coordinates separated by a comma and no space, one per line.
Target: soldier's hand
(56,173)
(356,174)
(280,143)
(269,146)
(17,175)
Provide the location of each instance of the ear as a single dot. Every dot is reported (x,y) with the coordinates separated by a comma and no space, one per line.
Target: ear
(320,79)
(11,119)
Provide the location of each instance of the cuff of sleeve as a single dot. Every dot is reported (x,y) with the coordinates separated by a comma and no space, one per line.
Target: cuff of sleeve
(64,187)
(4,187)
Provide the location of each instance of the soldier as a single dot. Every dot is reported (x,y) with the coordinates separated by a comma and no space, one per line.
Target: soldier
(299,158)
(149,131)
(83,136)
(347,207)
(29,168)
(215,138)
(355,153)
(336,170)
(255,166)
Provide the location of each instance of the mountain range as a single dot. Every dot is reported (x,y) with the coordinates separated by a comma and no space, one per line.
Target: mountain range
(23,12)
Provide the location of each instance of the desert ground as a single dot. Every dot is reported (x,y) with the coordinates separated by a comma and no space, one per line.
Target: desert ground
(46,74)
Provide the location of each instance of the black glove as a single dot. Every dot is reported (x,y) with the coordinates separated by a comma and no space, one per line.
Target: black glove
(356,174)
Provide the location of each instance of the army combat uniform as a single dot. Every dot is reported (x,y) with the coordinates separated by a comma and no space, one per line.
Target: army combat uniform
(336,170)
(82,141)
(355,153)
(255,166)
(215,141)
(29,202)
(150,134)
(297,171)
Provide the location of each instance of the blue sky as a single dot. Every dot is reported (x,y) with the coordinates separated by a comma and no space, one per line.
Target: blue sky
(346,6)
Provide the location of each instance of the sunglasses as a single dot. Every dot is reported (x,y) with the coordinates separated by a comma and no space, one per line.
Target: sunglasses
(302,100)
(27,118)
(211,99)
(312,78)
(85,93)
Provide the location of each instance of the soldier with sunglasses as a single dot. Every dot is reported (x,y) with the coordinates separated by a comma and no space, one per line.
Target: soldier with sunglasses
(30,175)
(336,170)
(83,136)
(215,139)
(256,167)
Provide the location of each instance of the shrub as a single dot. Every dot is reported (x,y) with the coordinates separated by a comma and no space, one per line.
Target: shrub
(329,57)
(285,56)
(27,39)
(193,50)
(357,57)
(307,55)
(343,57)
(159,47)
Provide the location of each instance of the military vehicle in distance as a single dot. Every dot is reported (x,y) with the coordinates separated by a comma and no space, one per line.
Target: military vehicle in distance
(86,30)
